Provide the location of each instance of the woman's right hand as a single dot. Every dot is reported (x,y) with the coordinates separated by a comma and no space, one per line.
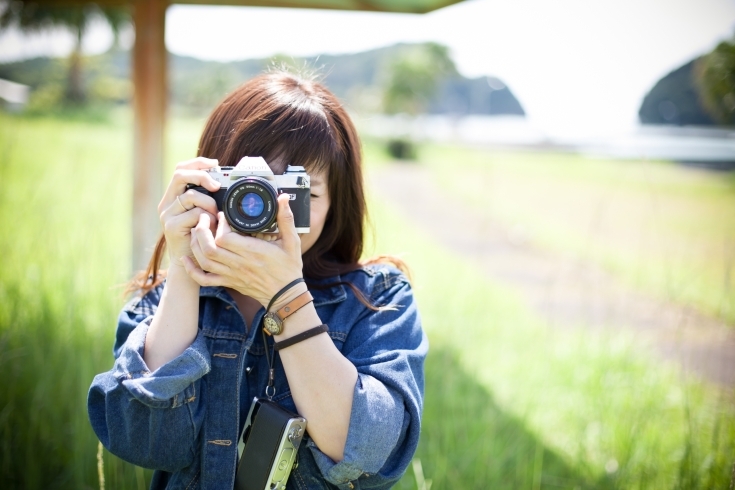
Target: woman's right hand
(179,209)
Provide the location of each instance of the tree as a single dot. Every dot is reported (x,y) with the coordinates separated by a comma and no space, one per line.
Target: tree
(33,17)
(715,78)
(413,77)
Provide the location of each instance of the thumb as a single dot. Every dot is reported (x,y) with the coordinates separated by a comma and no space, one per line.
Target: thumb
(285,220)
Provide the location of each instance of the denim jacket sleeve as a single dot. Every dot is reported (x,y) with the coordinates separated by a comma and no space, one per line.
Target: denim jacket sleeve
(150,419)
(388,348)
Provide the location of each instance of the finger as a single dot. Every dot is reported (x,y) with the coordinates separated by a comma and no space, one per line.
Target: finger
(226,239)
(286,226)
(198,163)
(206,250)
(223,227)
(192,198)
(206,263)
(213,224)
(184,177)
(200,276)
(174,219)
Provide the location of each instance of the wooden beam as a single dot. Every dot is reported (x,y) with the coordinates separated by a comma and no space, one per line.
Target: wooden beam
(398,6)
(404,6)
(149,103)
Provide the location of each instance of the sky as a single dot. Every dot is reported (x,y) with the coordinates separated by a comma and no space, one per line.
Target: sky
(578,67)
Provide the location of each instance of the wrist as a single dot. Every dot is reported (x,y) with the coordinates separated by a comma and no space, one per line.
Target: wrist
(288,296)
(303,319)
(176,273)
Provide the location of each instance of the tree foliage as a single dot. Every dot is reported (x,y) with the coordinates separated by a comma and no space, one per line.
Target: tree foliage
(675,100)
(715,78)
(31,16)
(413,77)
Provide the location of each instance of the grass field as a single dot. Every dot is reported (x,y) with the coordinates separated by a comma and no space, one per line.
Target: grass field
(517,407)
(664,229)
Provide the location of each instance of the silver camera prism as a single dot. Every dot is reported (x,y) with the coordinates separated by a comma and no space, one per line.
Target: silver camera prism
(249,192)
(267,447)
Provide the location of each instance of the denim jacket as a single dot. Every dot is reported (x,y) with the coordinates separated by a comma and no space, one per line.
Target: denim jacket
(184,419)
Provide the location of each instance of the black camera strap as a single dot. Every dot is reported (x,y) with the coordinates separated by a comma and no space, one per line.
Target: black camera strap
(270,389)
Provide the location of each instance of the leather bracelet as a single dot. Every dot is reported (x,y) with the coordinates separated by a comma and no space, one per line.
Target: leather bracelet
(295,305)
(312,332)
(273,320)
(283,290)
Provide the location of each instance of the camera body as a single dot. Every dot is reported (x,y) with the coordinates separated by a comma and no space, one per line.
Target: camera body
(268,446)
(249,192)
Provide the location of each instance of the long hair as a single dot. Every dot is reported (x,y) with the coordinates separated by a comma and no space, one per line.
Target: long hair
(281,115)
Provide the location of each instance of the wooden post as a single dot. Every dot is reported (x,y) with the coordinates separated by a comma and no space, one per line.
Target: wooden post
(149,103)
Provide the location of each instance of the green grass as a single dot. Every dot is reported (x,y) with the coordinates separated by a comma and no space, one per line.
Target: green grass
(509,404)
(512,404)
(664,229)
(65,252)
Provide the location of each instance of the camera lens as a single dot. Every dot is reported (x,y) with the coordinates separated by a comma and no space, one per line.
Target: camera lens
(250,205)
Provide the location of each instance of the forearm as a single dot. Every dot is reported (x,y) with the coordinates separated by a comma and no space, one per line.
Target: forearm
(322,382)
(174,326)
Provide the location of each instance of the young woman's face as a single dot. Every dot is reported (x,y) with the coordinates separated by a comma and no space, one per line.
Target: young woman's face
(319,208)
(319,203)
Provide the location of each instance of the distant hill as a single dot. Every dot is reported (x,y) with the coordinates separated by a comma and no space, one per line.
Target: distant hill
(354,78)
(674,100)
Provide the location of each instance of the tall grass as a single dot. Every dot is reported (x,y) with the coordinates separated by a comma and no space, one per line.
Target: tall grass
(65,249)
(509,404)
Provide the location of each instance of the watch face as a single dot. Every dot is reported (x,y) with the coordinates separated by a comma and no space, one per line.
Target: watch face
(272,323)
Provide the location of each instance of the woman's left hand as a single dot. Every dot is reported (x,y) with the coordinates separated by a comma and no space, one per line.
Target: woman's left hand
(252,266)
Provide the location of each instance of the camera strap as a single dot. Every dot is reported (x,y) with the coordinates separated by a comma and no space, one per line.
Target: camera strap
(270,389)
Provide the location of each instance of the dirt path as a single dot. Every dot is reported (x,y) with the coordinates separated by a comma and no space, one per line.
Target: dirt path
(568,293)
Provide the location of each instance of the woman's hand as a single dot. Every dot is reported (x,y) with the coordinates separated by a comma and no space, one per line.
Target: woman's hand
(180,210)
(254,267)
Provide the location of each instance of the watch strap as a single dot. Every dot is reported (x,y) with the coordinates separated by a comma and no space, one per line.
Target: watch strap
(294,305)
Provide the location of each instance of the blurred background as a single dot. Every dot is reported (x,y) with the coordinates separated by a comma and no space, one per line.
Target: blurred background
(559,176)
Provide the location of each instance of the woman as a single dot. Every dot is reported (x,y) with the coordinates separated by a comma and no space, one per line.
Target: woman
(190,354)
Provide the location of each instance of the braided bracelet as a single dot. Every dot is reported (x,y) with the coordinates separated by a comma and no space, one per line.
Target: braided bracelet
(312,332)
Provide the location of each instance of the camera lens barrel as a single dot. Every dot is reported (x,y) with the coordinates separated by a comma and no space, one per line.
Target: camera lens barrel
(250,205)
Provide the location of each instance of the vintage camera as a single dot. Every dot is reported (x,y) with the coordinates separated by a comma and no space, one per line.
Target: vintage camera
(249,192)
(267,447)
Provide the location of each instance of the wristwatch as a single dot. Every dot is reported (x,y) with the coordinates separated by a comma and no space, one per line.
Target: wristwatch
(273,320)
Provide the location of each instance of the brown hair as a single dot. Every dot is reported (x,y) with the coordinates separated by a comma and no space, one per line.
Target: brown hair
(280,115)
